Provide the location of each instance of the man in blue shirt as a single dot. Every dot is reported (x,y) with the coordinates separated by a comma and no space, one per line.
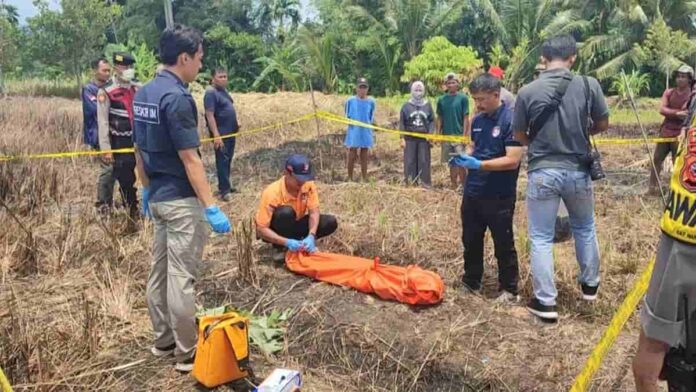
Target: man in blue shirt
(221,119)
(359,107)
(176,193)
(105,184)
(491,189)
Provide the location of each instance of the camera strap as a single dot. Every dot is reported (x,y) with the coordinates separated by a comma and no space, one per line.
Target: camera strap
(588,123)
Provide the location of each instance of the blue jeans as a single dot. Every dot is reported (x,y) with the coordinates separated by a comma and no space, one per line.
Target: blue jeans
(223,163)
(545,189)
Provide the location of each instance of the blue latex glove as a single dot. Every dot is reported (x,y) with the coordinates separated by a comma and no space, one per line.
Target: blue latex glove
(145,204)
(217,219)
(309,244)
(466,161)
(293,245)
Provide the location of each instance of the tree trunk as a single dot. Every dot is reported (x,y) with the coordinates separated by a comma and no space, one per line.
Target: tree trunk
(2,85)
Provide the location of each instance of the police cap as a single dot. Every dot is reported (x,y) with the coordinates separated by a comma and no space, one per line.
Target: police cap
(123,58)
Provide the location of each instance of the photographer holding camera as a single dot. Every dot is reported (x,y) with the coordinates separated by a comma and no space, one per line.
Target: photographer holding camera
(555,116)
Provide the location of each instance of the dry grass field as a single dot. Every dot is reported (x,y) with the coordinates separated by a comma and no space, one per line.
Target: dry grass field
(72,307)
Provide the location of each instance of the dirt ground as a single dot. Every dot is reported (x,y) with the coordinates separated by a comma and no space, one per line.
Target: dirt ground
(72,308)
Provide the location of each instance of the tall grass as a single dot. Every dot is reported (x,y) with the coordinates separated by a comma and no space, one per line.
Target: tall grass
(67,88)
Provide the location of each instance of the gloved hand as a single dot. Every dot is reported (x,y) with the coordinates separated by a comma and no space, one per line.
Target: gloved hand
(309,244)
(145,204)
(466,161)
(217,219)
(293,245)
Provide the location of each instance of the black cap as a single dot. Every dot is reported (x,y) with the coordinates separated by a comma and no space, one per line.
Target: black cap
(300,167)
(123,58)
(362,82)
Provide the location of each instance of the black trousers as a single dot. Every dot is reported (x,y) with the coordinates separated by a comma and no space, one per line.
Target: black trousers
(283,222)
(124,173)
(478,214)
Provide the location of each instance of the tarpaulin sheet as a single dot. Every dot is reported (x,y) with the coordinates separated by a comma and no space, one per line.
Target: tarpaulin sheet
(412,285)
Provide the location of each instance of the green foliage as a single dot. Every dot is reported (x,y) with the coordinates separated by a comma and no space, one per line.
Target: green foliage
(266,45)
(237,52)
(267,332)
(635,83)
(665,49)
(71,36)
(282,69)
(321,57)
(439,56)
(9,42)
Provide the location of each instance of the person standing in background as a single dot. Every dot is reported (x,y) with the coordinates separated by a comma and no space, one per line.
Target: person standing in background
(673,108)
(361,108)
(221,118)
(101,73)
(453,119)
(417,116)
(115,124)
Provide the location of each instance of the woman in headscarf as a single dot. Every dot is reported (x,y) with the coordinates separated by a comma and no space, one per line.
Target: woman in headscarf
(417,116)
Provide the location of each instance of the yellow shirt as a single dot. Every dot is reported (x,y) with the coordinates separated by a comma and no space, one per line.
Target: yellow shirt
(679,218)
(276,195)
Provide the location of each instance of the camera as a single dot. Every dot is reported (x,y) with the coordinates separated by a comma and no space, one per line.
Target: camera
(678,371)
(594,163)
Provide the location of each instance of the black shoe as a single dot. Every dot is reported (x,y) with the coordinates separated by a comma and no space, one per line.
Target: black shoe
(546,313)
(589,293)
(160,352)
(471,288)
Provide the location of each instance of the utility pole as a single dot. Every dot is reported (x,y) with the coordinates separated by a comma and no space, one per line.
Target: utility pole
(168,13)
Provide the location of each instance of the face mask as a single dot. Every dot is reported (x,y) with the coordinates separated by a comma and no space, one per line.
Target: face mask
(417,94)
(128,74)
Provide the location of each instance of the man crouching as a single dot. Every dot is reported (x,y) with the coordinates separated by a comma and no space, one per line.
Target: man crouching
(288,215)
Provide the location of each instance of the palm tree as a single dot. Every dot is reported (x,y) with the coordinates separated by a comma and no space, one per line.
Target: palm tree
(282,68)
(320,56)
(523,25)
(621,29)
(9,12)
(411,21)
(389,55)
(278,14)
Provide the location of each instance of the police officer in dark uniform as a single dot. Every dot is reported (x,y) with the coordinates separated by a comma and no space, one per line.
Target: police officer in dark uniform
(115,125)
(176,193)
(491,189)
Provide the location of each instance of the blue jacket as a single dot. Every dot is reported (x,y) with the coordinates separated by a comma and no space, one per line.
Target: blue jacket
(89,114)
(166,121)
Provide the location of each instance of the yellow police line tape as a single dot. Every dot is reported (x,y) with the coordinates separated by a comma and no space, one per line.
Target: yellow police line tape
(70,154)
(319,114)
(462,139)
(4,383)
(583,380)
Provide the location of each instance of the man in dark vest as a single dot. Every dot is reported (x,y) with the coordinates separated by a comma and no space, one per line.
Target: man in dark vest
(176,193)
(115,124)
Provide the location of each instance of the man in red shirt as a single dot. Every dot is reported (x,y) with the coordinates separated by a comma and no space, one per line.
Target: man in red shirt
(673,108)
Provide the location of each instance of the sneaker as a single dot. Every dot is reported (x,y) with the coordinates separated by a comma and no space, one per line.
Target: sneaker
(507,298)
(227,197)
(546,313)
(589,293)
(160,352)
(186,365)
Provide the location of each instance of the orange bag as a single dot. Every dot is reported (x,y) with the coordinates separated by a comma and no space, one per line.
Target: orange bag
(412,285)
(222,352)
